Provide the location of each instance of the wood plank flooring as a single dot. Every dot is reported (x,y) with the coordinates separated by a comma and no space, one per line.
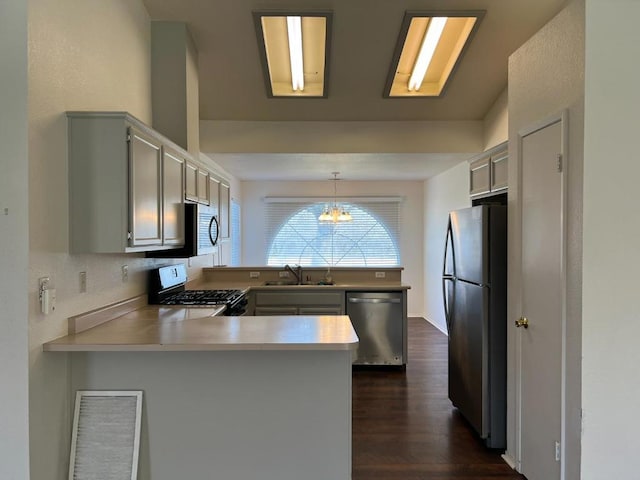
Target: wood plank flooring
(405,428)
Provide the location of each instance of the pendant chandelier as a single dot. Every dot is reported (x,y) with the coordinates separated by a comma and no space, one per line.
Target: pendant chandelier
(334,213)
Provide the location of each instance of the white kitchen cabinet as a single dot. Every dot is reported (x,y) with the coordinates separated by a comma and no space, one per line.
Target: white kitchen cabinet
(125,185)
(489,174)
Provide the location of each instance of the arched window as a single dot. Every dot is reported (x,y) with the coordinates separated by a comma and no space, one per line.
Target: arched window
(297,237)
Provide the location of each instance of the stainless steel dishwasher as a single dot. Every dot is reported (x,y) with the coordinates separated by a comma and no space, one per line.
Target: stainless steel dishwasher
(379,320)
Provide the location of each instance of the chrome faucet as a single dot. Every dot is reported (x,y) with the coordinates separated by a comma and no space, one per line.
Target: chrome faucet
(297,272)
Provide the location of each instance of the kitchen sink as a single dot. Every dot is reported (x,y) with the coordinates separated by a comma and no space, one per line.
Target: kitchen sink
(290,283)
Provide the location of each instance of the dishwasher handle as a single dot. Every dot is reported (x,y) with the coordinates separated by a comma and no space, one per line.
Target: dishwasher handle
(374,300)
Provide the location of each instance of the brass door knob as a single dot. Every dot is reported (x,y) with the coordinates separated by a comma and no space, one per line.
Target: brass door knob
(522,322)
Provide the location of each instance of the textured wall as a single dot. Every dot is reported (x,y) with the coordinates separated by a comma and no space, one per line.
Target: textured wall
(611,327)
(546,76)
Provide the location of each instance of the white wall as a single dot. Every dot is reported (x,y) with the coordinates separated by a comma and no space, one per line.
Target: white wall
(496,122)
(411,239)
(611,321)
(14,241)
(546,76)
(442,193)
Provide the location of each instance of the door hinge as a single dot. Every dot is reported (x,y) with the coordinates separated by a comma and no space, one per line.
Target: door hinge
(128,235)
(559,163)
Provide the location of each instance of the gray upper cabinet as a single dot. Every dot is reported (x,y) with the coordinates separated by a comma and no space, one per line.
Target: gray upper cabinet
(479,177)
(489,174)
(126,185)
(173,197)
(191,182)
(145,189)
(203,187)
(196,184)
(214,193)
(224,210)
(499,171)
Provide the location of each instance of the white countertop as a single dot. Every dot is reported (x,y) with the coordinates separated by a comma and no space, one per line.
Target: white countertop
(154,328)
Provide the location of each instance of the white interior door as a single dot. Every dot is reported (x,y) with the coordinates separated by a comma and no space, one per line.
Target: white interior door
(541,344)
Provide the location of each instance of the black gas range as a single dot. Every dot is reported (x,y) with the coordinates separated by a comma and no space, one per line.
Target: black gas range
(167,287)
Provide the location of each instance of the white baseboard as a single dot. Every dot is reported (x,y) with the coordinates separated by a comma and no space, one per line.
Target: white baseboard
(509,460)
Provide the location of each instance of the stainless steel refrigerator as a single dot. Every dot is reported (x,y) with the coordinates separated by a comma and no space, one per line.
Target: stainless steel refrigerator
(474,284)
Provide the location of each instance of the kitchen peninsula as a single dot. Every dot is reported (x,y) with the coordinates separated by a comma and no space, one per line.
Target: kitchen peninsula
(226,397)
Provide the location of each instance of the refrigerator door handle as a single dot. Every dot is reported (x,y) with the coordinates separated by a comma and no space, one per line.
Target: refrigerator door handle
(448,276)
(447,313)
(449,242)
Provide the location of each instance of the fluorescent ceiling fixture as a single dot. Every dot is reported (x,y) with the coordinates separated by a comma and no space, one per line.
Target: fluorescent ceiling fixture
(294,49)
(294,34)
(429,49)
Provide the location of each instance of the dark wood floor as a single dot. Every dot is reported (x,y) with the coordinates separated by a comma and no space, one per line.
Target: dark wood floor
(404,426)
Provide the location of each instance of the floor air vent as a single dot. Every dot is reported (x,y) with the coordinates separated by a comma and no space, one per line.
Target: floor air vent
(106,435)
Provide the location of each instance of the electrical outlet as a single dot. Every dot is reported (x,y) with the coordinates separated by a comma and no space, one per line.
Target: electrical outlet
(557,451)
(83,282)
(381,274)
(283,274)
(125,273)
(254,274)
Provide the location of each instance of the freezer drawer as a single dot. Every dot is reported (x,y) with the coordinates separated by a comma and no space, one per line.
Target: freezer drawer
(378,319)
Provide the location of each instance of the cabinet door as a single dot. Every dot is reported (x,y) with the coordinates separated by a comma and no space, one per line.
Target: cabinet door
(224,210)
(214,193)
(329,310)
(499,171)
(225,252)
(191,182)
(276,310)
(203,187)
(173,198)
(480,177)
(145,189)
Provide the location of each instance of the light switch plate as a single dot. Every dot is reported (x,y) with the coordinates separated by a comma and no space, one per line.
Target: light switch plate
(381,274)
(83,282)
(254,274)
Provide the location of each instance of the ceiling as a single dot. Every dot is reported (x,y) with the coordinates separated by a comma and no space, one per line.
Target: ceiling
(231,82)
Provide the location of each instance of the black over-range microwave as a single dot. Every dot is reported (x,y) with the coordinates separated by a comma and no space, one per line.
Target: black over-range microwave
(201,233)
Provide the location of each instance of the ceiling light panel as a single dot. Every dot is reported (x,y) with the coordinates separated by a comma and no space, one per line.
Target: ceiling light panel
(428,51)
(279,35)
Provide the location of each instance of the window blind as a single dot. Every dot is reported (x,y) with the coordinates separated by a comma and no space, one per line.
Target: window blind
(294,234)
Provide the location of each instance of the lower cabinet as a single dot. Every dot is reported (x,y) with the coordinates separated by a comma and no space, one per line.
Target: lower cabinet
(291,302)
